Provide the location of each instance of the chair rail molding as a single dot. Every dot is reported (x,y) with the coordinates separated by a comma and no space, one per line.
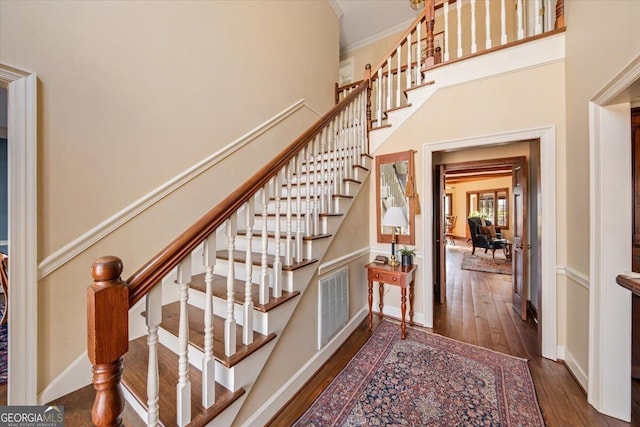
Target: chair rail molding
(547,137)
(23,267)
(610,244)
(72,249)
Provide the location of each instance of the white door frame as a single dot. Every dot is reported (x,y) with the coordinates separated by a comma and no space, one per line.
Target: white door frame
(547,137)
(23,265)
(611,206)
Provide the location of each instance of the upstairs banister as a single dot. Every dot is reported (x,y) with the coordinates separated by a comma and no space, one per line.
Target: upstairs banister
(427,7)
(142,281)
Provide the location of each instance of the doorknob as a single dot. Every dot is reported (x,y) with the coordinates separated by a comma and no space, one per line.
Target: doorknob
(519,246)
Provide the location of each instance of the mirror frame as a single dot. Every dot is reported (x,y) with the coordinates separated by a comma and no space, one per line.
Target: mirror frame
(405,239)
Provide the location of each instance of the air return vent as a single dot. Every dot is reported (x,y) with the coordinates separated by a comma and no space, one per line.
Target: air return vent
(333,305)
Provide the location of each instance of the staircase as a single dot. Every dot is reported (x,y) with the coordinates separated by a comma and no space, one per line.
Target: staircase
(191,330)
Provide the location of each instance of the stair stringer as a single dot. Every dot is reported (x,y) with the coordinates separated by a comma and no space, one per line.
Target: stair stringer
(534,53)
(302,278)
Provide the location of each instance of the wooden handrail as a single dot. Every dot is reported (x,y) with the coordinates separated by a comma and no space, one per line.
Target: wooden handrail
(149,275)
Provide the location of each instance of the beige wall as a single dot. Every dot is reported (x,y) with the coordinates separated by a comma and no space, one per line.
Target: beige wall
(593,58)
(521,100)
(133,93)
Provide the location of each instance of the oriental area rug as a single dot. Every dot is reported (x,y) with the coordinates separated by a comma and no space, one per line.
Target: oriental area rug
(486,263)
(426,380)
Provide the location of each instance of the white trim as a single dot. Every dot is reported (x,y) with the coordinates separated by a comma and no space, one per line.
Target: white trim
(610,247)
(547,137)
(23,269)
(72,249)
(375,37)
(74,377)
(561,352)
(575,368)
(336,8)
(269,408)
(394,312)
(337,263)
(576,276)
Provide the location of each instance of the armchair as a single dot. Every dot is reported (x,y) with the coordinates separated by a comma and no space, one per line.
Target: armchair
(481,239)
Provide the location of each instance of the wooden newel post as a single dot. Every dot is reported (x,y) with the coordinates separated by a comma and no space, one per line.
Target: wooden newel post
(560,14)
(107,338)
(367,77)
(430,24)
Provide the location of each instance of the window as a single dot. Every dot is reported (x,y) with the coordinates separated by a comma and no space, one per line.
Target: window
(491,204)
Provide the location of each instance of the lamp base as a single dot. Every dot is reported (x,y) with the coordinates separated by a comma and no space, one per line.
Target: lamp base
(392,261)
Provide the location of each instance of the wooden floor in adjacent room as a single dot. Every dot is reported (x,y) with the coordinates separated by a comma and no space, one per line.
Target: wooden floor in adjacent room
(479,311)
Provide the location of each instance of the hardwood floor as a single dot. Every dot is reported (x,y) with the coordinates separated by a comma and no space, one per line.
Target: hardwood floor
(479,311)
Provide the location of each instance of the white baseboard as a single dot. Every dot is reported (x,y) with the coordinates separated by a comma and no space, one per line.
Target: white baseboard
(291,387)
(573,366)
(391,311)
(75,376)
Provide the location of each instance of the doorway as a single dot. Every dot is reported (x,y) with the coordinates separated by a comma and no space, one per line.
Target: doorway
(545,229)
(496,236)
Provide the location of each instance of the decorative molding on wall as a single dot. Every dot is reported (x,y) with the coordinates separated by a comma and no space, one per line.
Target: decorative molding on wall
(578,277)
(88,239)
(336,8)
(263,414)
(340,262)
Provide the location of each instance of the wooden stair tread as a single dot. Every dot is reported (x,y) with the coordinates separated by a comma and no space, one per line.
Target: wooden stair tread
(429,83)
(397,108)
(220,291)
(135,379)
(380,127)
(272,235)
(256,259)
(171,322)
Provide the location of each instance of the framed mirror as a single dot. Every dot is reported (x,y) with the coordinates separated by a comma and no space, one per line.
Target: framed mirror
(393,174)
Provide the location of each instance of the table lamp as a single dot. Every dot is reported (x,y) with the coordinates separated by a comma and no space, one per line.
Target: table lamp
(394,217)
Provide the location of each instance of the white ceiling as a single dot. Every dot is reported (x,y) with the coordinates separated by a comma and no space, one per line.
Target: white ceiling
(363,21)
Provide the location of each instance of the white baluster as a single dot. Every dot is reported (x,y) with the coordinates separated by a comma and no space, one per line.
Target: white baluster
(247,308)
(474,46)
(445,7)
(331,185)
(419,54)
(334,155)
(183,388)
(307,156)
(230,321)
(503,22)
(388,104)
(323,178)
(340,153)
(153,320)
(459,14)
(398,79)
(298,240)
(263,294)
(538,17)
(347,141)
(487,22)
(277,261)
(208,361)
(409,65)
(288,254)
(379,106)
(317,183)
(520,19)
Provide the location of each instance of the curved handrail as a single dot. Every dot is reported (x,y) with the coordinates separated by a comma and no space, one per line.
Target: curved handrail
(143,280)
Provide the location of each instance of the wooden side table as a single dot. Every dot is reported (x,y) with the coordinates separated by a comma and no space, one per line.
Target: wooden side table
(398,276)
